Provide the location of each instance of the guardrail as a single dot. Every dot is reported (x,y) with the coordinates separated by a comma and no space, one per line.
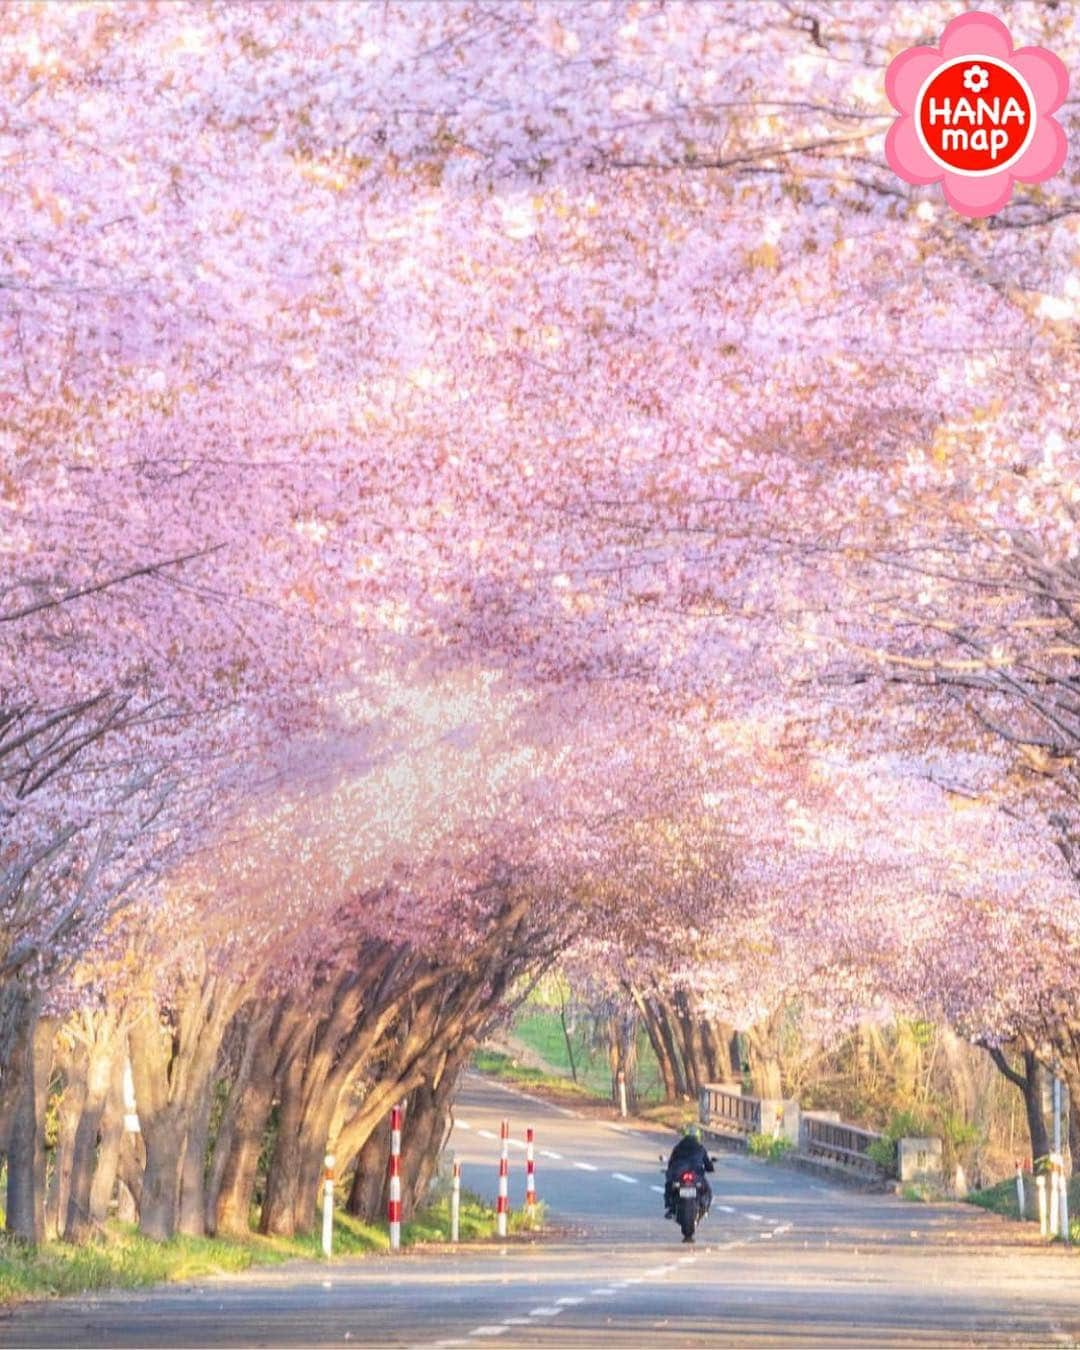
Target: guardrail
(833,1141)
(816,1136)
(728,1111)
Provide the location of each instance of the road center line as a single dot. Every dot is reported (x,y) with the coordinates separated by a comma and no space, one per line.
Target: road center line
(545,1311)
(549,1153)
(621,1176)
(569,1302)
(658,1189)
(486,1134)
(585,1167)
(496,1330)
(726,1209)
(754,1218)
(462,1125)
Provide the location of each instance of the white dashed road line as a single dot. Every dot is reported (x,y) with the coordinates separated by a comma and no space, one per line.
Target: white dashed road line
(486,1134)
(496,1330)
(462,1125)
(725,1209)
(550,1153)
(621,1176)
(569,1302)
(658,1189)
(545,1311)
(586,1167)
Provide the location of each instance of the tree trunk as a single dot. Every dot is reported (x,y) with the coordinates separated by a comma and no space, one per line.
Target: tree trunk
(191,1213)
(689,1044)
(74,1064)
(172,1068)
(659,1046)
(258,1054)
(161,1176)
(239,1174)
(1032,1083)
(665,1023)
(111,1141)
(367,1194)
(26,1143)
(101,1055)
(312,1144)
(282,1180)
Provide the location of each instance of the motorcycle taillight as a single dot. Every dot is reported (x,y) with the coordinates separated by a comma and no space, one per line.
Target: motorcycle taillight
(688,1176)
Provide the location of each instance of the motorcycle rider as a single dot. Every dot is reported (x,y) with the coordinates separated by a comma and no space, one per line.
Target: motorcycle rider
(688,1155)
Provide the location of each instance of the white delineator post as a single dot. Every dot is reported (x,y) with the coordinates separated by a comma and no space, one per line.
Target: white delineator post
(328,1205)
(622,1094)
(503,1202)
(393,1207)
(530,1173)
(1059,1195)
(1040,1191)
(1020,1188)
(455,1204)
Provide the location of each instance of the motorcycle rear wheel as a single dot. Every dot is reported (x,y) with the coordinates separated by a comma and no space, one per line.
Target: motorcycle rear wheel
(688,1218)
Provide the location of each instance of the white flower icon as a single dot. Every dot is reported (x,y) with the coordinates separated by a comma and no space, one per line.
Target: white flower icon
(976,78)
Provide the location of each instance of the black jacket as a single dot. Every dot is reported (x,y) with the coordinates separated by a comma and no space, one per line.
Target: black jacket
(689,1155)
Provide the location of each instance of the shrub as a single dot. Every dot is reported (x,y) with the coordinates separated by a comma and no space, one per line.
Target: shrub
(771,1148)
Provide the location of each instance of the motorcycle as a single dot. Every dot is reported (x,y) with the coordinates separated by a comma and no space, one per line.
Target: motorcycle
(690,1206)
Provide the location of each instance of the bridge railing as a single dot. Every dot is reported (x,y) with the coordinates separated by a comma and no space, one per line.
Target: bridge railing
(818,1136)
(729,1110)
(836,1142)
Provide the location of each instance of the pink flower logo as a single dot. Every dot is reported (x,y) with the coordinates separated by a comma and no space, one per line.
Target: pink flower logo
(975,115)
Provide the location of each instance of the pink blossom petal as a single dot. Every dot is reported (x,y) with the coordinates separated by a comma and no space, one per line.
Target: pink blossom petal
(977,196)
(906,157)
(1046,74)
(1045,155)
(906,73)
(976,34)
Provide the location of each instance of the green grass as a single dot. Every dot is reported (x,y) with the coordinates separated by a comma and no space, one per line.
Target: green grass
(1001,1199)
(540,1029)
(124,1259)
(504,1066)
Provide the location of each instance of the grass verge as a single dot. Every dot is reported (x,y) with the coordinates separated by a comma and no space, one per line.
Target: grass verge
(124,1259)
(505,1066)
(1002,1199)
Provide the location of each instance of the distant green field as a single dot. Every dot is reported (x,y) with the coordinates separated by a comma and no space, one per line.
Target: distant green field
(542,1032)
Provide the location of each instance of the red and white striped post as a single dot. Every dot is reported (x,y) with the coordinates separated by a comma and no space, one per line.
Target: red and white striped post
(393,1208)
(503,1202)
(530,1173)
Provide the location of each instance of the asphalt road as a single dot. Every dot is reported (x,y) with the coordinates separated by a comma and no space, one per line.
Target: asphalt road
(784,1260)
